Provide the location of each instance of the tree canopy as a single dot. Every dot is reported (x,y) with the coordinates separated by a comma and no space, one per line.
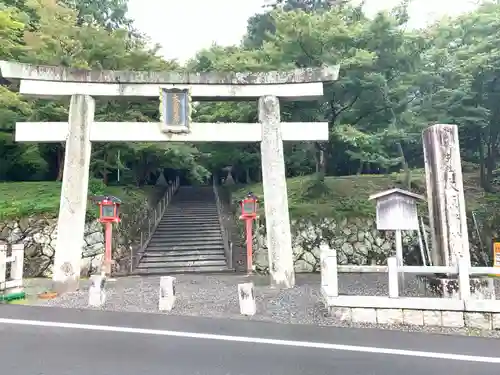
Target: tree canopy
(393,83)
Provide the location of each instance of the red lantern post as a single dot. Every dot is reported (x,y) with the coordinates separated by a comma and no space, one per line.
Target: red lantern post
(108,214)
(249,214)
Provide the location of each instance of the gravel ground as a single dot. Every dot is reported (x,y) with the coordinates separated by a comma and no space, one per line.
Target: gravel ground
(216,296)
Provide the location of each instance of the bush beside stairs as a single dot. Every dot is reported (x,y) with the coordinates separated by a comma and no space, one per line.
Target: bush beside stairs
(188,237)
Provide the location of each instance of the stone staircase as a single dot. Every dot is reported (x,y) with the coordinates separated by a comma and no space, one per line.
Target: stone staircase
(188,237)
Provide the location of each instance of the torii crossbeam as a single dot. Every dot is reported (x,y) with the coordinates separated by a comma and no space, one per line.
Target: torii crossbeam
(80,130)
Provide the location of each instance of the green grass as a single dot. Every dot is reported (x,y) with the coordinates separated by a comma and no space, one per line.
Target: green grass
(348,196)
(21,199)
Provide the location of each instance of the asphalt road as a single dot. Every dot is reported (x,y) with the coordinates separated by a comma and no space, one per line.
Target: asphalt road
(54,341)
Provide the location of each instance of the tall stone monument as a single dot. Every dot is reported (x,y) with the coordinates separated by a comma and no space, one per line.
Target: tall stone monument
(445,194)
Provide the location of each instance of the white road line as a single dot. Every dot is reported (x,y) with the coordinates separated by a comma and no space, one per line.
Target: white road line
(255,340)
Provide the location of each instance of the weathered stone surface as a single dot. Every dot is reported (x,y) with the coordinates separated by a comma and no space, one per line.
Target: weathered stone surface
(341,313)
(39,235)
(413,317)
(389,316)
(453,319)
(445,194)
(433,318)
(14,70)
(356,240)
(495,318)
(478,320)
(361,315)
(279,241)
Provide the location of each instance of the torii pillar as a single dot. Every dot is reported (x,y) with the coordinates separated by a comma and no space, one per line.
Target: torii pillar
(81,130)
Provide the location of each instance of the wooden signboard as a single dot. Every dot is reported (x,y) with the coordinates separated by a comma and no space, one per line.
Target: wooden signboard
(175,110)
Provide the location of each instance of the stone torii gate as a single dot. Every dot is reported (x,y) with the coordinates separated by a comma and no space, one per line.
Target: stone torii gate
(78,133)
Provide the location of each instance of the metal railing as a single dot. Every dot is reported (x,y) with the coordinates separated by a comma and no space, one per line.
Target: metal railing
(225,233)
(147,231)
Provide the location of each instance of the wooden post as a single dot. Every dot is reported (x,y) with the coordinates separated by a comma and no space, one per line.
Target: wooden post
(393,270)
(399,257)
(16,270)
(3,266)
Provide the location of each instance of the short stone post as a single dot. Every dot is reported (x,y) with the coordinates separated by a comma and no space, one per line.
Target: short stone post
(393,271)
(445,195)
(73,205)
(3,266)
(464,278)
(17,267)
(279,238)
(97,293)
(246,296)
(167,293)
(329,271)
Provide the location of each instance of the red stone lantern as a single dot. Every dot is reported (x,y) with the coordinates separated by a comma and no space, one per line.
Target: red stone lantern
(109,208)
(249,214)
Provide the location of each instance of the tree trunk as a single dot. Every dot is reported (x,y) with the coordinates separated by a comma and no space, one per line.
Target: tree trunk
(105,176)
(60,163)
(482,163)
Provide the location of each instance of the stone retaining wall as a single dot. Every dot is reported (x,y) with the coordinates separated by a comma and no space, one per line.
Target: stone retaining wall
(39,235)
(451,319)
(357,242)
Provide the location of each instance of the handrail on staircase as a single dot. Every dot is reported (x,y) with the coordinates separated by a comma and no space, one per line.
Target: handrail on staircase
(147,232)
(225,233)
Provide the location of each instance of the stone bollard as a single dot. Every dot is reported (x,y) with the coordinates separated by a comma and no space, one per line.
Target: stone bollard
(167,293)
(97,294)
(247,299)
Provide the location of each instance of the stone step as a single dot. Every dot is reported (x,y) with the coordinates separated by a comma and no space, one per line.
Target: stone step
(192,226)
(193,217)
(199,246)
(148,259)
(189,221)
(198,215)
(190,210)
(194,263)
(181,270)
(175,253)
(193,207)
(173,241)
(187,235)
(188,232)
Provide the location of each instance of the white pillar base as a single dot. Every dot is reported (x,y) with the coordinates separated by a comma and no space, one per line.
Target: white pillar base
(246,297)
(167,293)
(97,294)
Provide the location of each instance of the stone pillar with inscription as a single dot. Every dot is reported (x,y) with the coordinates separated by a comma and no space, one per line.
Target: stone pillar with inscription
(445,193)
(279,239)
(446,202)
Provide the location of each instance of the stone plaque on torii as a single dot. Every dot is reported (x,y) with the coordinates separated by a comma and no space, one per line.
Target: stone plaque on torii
(172,87)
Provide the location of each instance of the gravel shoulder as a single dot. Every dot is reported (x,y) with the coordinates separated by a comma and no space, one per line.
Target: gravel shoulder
(216,296)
